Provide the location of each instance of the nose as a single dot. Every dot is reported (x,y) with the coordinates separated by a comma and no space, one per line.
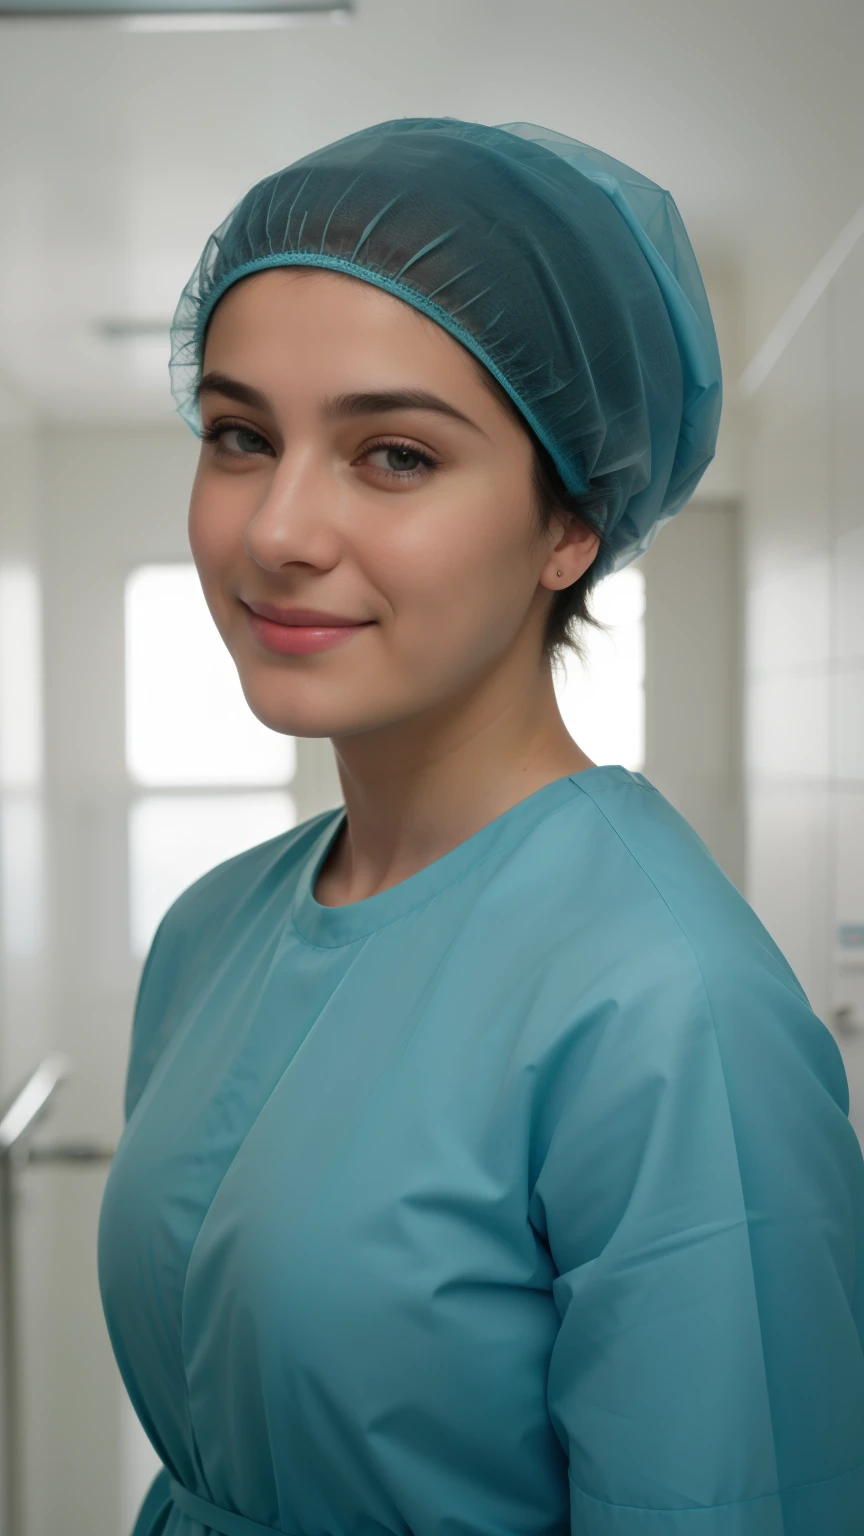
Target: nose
(295,520)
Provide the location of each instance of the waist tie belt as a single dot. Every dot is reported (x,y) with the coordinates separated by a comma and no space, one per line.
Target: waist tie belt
(221,1520)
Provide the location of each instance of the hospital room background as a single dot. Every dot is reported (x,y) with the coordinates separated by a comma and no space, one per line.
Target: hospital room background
(731,671)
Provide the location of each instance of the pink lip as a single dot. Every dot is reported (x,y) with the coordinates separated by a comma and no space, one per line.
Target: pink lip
(315,618)
(301,639)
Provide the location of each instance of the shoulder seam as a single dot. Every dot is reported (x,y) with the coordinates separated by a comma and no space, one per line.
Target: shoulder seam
(799,995)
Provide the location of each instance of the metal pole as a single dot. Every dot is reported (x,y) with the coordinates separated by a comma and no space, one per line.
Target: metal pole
(9,1457)
(17,1119)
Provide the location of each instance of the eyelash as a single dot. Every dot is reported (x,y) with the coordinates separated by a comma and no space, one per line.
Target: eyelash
(427,462)
(216,432)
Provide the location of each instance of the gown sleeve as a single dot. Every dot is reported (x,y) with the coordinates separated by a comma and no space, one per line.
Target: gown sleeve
(153,1018)
(188,941)
(701,1191)
(150,1032)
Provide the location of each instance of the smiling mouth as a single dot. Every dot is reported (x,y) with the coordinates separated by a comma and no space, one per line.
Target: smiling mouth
(294,639)
(304,618)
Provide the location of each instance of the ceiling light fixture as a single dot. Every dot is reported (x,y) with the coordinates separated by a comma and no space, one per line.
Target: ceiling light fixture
(131,330)
(180,15)
(228,21)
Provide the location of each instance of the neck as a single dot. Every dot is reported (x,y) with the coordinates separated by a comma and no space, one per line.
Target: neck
(417,789)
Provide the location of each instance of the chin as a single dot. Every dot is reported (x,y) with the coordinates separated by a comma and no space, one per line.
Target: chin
(308,707)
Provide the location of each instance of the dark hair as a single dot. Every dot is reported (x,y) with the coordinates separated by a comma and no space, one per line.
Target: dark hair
(569,611)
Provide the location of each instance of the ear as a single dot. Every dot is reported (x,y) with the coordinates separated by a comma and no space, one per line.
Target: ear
(575,551)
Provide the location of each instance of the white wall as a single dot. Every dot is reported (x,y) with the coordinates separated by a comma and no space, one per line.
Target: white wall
(805,655)
(22,999)
(25,1022)
(693,674)
(694,651)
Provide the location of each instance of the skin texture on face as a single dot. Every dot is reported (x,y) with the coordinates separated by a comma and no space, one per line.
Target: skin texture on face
(420,520)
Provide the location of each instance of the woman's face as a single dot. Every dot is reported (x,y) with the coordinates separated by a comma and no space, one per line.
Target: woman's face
(328,483)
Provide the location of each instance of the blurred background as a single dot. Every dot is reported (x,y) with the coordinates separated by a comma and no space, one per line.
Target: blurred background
(732,674)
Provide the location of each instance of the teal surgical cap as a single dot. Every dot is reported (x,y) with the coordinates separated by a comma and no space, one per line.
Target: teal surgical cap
(567,274)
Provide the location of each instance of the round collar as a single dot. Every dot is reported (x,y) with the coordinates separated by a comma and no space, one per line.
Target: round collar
(330,927)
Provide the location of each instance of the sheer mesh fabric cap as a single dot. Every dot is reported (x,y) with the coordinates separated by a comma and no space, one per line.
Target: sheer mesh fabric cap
(567,274)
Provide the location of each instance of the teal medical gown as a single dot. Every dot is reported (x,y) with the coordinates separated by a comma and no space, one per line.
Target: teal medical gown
(516,1199)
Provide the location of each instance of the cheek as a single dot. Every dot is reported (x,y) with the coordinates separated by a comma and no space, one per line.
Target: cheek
(214,526)
(215,535)
(466,567)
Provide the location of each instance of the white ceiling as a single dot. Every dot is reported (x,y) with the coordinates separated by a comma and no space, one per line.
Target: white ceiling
(122,150)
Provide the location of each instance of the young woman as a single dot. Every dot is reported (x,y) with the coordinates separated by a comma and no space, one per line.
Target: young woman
(486,1172)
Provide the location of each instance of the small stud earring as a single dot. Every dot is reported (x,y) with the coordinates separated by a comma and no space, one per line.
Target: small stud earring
(559,573)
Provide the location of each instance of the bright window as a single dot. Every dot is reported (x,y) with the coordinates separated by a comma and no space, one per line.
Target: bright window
(602,700)
(173,839)
(20,677)
(188,728)
(22,815)
(187,721)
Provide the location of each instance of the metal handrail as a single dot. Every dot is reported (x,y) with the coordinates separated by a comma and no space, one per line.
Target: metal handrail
(30,1101)
(18,1119)
(70,1152)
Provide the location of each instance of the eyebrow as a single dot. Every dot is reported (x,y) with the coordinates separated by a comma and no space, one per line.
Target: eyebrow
(368,403)
(221,384)
(376,401)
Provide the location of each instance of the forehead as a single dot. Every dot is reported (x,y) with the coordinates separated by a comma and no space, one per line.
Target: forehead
(312,300)
(315,329)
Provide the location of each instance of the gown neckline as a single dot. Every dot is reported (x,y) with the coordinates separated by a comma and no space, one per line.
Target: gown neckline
(334,926)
